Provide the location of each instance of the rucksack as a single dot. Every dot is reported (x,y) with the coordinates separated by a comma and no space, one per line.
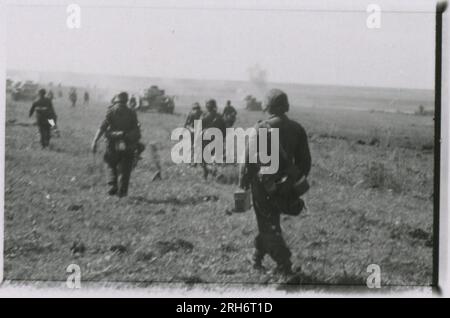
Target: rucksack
(285,187)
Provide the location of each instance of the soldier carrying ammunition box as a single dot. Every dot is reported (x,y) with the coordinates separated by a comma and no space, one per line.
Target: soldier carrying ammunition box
(45,114)
(274,194)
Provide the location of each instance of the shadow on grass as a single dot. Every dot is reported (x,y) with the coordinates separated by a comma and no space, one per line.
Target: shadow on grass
(174,200)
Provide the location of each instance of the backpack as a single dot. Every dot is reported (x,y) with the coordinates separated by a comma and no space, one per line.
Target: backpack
(285,187)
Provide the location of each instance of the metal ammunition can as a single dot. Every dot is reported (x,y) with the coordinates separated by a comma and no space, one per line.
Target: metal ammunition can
(241,201)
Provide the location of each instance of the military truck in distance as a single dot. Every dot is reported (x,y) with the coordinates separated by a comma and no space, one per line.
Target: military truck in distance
(155,99)
(252,104)
(25,91)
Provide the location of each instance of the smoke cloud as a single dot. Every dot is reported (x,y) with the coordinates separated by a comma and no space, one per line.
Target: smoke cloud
(258,80)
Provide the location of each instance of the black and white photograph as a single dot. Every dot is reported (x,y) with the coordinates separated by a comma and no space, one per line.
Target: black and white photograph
(290,145)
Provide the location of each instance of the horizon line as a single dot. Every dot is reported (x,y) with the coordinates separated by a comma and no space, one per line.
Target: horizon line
(222,80)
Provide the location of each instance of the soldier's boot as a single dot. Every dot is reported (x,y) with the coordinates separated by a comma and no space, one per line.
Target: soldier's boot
(284,269)
(205,171)
(45,142)
(214,171)
(124,179)
(42,136)
(260,252)
(112,182)
(112,190)
(123,189)
(112,176)
(47,136)
(257,259)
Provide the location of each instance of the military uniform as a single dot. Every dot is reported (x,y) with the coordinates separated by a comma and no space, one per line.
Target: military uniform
(213,120)
(229,115)
(122,131)
(44,111)
(193,116)
(86,98)
(73,97)
(269,241)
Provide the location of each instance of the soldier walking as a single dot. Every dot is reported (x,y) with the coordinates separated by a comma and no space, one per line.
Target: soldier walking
(122,132)
(229,114)
(86,98)
(211,119)
(195,114)
(44,112)
(295,163)
(73,97)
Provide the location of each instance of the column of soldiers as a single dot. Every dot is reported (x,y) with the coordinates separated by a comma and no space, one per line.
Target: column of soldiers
(122,131)
(73,97)
(120,128)
(211,118)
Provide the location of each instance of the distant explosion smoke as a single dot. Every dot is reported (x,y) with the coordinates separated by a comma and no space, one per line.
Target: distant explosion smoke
(258,80)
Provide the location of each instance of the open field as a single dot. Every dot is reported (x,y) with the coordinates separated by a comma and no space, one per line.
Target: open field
(370,202)
(188,91)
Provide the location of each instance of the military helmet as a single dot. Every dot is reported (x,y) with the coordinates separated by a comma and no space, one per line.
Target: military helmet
(122,97)
(42,92)
(211,104)
(276,102)
(195,106)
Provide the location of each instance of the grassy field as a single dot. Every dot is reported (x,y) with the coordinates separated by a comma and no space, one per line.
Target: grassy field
(370,202)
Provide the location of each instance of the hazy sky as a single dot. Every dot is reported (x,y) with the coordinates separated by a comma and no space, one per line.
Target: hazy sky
(312,47)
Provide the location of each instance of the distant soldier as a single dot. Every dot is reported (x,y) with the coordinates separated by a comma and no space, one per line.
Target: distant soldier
(60,94)
(121,129)
(139,147)
(195,114)
(86,98)
(229,115)
(269,203)
(45,116)
(211,119)
(73,97)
